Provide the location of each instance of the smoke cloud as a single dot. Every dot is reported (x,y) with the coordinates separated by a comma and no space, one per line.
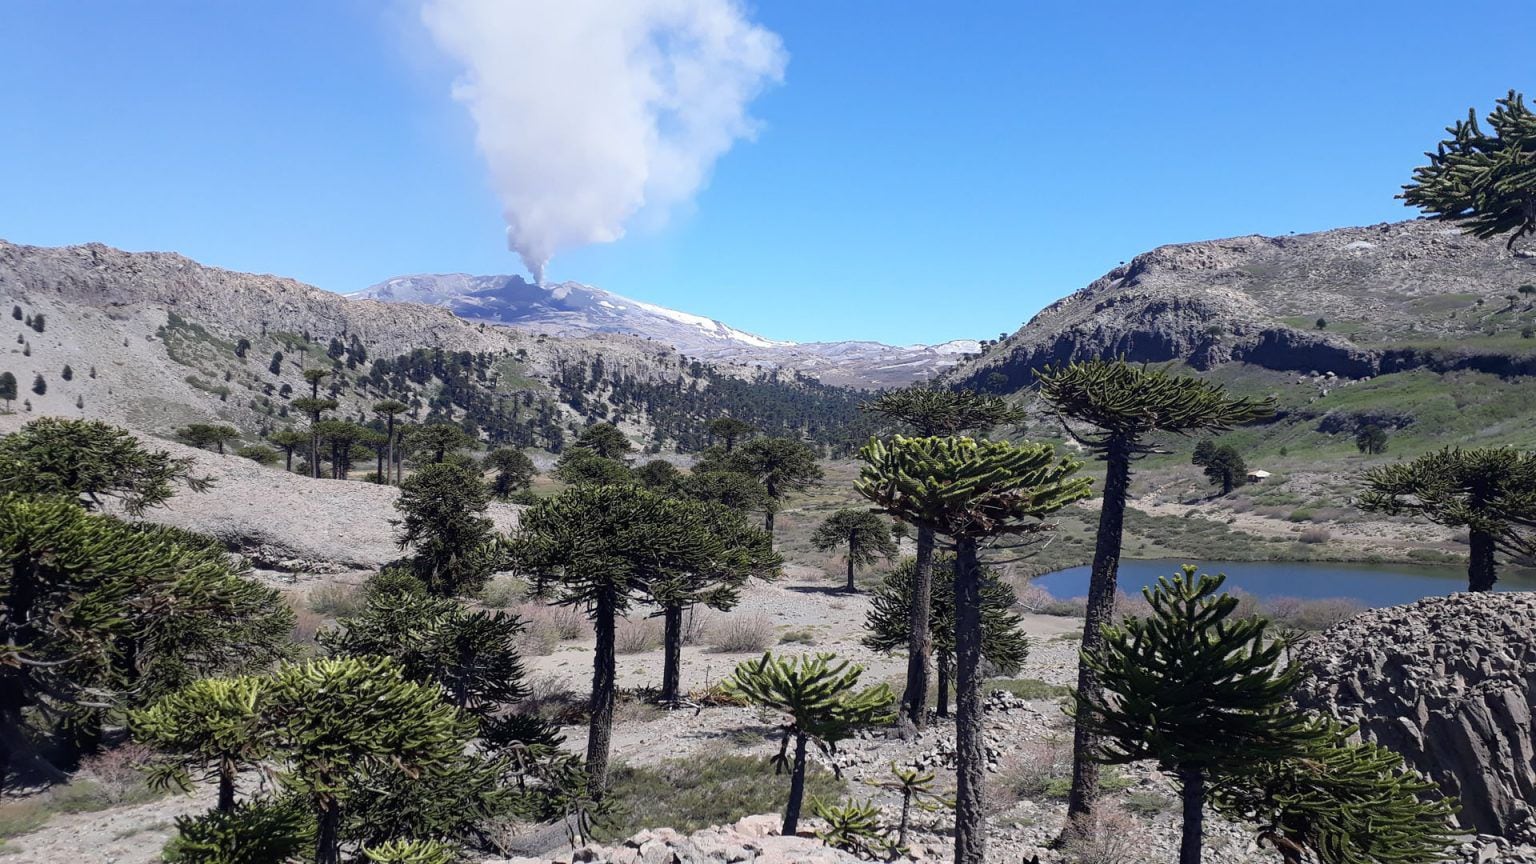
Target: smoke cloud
(589,111)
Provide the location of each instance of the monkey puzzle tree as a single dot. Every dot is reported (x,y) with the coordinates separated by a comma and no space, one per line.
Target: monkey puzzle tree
(660,476)
(890,613)
(1483,181)
(212,726)
(782,465)
(1371,439)
(729,488)
(1194,689)
(437,439)
(579,466)
(314,407)
(605,440)
(1224,466)
(933,412)
(1344,802)
(514,471)
(444,523)
(91,460)
(1124,406)
(865,535)
(473,656)
(337,721)
(971,491)
(745,552)
(1489,491)
(730,430)
(821,703)
(288,440)
(390,410)
(97,615)
(204,434)
(7,388)
(603,548)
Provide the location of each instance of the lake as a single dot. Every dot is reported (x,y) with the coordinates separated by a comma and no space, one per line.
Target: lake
(1368,584)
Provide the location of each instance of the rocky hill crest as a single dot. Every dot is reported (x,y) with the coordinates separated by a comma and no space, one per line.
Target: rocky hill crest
(1356,302)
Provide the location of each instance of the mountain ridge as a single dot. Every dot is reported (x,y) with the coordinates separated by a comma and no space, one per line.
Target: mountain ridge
(573,308)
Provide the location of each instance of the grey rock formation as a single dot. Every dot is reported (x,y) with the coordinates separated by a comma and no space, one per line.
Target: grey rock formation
(1395,296)
(1448,682)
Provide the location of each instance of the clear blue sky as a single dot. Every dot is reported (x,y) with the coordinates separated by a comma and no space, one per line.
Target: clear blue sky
(924,172)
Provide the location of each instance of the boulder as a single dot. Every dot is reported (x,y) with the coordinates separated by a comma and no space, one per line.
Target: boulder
(1448,682)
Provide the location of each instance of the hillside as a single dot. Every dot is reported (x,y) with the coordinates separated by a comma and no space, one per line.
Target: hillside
(574,309)
(155,340)
(1355,302)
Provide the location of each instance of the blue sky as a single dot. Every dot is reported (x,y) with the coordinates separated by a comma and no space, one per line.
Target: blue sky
(924,171)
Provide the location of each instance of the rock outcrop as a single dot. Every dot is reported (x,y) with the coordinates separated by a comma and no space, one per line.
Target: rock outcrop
(753,840)
(1448,682)
(1356,302)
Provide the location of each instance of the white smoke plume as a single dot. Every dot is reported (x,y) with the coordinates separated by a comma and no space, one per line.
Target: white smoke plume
(590,110)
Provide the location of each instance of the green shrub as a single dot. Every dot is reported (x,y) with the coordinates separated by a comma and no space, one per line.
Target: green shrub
(1029,688)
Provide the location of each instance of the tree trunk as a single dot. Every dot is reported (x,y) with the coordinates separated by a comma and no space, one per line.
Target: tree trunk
(1193,780)
(600,732)
(914,699)
(768,521)
(1101,611)
(970,748)
(946,663)
(851,588)
(226,788)
(378,469)
(906,812)
(796,790)
(389,433)
(220,444)
(1480,567)
(672,654)
(327,836)
(289,452)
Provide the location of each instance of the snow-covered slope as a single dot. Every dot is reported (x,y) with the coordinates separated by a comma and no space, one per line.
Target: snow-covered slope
(571,308)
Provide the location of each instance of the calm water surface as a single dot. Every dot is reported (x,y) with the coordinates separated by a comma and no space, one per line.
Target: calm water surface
(1369,584)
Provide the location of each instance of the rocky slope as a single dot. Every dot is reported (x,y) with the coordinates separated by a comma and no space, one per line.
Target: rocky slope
(1353,301)
(1448,682)
(574,309)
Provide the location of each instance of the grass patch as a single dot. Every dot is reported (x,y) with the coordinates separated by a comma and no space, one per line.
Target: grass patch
(801,636)
(717,789)
(20,817)
(1147,804)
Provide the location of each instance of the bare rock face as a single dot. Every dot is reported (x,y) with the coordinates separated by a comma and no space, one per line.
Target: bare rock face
(1448,682)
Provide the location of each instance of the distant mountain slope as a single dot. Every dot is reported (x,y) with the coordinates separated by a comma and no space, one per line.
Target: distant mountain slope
(570,308)
(1356,302)
(155,340)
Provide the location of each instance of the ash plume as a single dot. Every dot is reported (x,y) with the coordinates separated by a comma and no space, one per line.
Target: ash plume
(590,111)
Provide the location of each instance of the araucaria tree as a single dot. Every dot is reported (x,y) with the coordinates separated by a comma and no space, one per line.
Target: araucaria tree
(745,552)
(514,471)
(782,465)
(604,548)
(1491,492)
(1371,439)
(820,699)
(445,525)
(97,614)
(1113,408)
(7,388)
(933,412)
(1344,802)
(730,430)
(606,440)
(972,492)
(1480,180)
(1002,643)
(864,535)
(390,410)
(1224,467)
(338,721)
(1193,688)
(91,460)
(212,727)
